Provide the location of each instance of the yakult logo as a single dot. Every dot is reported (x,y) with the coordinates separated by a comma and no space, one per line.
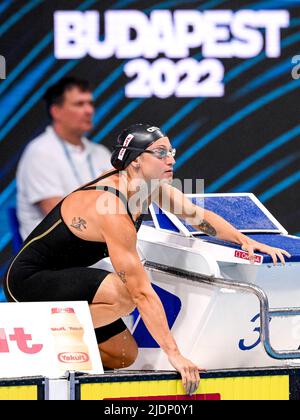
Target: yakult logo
(78,357)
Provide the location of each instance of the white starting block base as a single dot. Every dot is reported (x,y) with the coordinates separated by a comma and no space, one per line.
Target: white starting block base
(219,328)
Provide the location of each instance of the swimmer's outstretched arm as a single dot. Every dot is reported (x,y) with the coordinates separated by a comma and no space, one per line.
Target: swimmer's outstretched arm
(173,200)
(121,239)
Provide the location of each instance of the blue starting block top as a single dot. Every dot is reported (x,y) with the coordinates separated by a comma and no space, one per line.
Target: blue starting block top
(240,211)
(243,211)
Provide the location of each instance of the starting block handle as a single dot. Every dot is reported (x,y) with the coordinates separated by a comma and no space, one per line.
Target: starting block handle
(265,312)
(282,354)
(283,312)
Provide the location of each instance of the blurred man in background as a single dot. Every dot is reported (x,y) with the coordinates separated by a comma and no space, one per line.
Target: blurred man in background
(61,158)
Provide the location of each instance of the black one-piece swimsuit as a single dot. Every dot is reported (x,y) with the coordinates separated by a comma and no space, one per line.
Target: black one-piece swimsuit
(53,264)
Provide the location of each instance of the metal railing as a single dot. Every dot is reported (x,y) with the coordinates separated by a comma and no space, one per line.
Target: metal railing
(266,313)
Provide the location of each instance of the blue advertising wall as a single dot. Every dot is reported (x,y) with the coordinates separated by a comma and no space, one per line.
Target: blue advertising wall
(222,78)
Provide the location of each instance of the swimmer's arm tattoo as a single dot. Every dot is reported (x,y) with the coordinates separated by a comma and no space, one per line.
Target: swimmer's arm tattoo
(78,223)
(122,276)
(207,228)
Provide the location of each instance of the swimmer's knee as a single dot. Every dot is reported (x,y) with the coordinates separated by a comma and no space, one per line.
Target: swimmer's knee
(126,305)
(114,293)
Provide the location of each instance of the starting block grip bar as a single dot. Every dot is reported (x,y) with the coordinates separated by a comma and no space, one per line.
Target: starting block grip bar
(265,312)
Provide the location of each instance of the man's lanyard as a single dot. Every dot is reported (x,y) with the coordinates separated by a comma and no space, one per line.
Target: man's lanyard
(72,164)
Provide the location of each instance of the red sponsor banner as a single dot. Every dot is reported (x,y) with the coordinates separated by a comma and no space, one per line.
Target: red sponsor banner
(203,397)
(245,256)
